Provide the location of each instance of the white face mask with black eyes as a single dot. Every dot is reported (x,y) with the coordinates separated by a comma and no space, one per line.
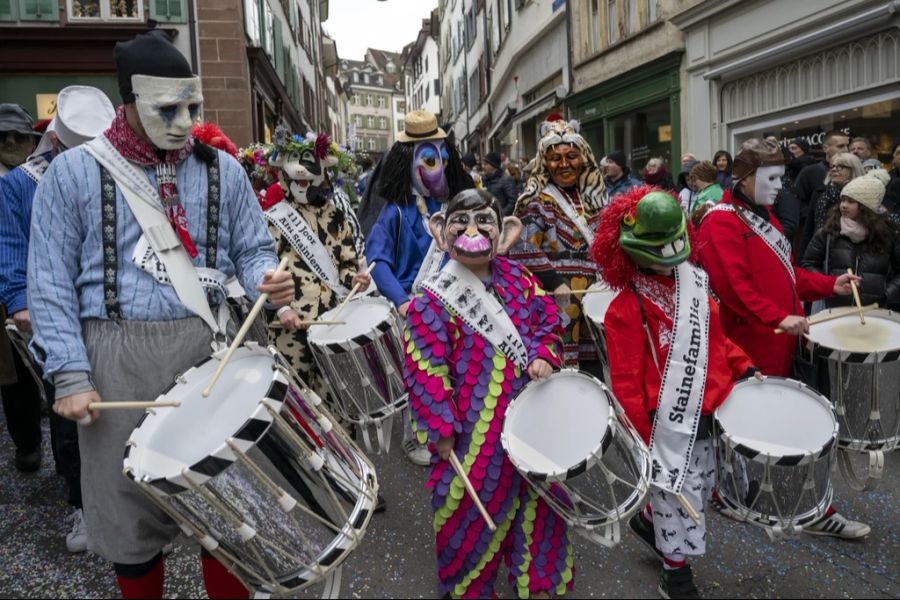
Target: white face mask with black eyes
(768,184)
(167,107)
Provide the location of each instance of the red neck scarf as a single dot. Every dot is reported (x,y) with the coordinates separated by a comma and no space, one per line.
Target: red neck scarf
(136,150)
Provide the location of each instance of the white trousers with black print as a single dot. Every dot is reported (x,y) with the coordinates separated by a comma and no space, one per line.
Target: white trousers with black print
(676,532)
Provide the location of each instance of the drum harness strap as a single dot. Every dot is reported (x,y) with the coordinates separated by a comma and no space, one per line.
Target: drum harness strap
(647,329)
(110,224)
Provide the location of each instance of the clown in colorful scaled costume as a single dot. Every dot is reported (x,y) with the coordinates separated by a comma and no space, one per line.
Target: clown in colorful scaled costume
(460,386)
(323,271)
(642,247)
(559,209)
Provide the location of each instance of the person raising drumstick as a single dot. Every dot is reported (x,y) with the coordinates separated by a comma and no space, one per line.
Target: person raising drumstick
(751,270)
(478,330)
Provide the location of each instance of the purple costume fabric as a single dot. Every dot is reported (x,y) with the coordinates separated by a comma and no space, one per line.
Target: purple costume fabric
(460,385)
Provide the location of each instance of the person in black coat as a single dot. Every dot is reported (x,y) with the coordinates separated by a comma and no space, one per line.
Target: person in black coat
(857,236)
(499,184)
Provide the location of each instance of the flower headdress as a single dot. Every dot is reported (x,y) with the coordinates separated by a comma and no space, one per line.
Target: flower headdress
(334,158)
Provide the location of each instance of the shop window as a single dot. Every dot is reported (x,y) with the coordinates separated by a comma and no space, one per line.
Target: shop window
(7,10)
(644,133)
(110,10)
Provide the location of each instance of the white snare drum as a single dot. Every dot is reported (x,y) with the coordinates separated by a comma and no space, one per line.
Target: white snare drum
(858,367)
(564,437)
(257,472)
(595,306)
(775,454)
(362,360)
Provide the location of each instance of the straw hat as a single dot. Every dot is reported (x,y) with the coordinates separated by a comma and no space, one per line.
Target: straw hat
(420,125)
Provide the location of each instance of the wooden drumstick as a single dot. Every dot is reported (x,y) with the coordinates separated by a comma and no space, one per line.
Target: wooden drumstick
(462,475)
(585,291)
(688,508)
(859,307)
(243,331)
(352,293)
(835,315)
(278,325)
(132,405)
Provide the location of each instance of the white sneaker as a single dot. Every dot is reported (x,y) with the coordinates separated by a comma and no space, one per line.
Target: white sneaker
(416,453)
(76,540)
(839,526)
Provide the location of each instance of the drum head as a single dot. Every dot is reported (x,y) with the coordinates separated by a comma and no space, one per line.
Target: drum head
(557,424)
(881,333)
(176,438)
(777,417)
(361,316)
(595,305)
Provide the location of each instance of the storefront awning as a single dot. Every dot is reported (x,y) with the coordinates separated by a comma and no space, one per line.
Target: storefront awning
(538,105)
(503,121)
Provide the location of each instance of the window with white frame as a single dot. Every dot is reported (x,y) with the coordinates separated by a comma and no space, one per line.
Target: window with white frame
(400,125)
(382,123)
(370,122)
(356,99)
(380,101)
(357,119)
(371,143)
(106,10)
(368,99)
(632,16)
(612,22)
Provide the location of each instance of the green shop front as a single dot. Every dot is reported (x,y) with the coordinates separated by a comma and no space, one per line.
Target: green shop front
(637,112)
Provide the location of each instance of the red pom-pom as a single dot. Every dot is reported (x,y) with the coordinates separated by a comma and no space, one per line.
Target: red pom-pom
(211,135)
(274,195)
(553,117)
(41,126)
(323,143)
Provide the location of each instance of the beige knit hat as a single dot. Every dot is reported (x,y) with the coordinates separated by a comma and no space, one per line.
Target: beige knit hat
(881,175)
(868,191)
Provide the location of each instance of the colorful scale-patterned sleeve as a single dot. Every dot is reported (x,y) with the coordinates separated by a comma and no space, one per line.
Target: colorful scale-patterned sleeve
(427,338)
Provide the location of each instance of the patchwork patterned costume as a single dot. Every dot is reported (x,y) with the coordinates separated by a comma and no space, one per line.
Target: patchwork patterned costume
(556,251)
(312,296)
(459,384)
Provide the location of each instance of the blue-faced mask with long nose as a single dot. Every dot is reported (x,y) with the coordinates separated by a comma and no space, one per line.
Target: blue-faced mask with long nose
(429,163)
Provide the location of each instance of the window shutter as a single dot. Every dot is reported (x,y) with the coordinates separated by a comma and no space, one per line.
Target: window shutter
(278,48)
(7,10)
(39,10)
(168,11)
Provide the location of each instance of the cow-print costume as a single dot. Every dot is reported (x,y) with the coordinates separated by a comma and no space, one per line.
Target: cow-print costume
(312,296)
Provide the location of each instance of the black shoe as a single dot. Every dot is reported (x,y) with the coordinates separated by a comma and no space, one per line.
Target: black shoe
(677,583)
(380,504)
(28,462)
(644,531)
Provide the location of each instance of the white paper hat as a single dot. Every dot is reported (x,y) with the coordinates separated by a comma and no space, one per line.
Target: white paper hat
(82,113)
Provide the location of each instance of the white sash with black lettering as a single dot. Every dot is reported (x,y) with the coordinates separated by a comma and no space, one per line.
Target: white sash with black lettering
(35,167)
(146,206)
(683,381)
(431,264)
(773,238)
(461,290)
(307,244)
(569,209)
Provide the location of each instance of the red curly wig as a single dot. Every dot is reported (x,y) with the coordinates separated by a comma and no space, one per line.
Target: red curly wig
(211,135)
(616,267)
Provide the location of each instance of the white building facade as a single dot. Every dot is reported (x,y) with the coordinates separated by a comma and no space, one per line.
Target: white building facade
(781,68)
(529,65)
(422,69)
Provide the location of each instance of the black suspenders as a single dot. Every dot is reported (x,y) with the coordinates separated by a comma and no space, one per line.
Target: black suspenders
(110,222)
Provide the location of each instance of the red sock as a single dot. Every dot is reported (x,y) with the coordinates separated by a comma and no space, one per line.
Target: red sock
(219,582)
(146,586)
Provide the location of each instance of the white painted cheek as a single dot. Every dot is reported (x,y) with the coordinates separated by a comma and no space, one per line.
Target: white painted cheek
(181,124)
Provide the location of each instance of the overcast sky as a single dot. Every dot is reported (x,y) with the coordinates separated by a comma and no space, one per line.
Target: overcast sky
(359,24)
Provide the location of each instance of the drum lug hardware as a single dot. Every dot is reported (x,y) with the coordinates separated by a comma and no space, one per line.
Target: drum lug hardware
(875,415)
(766,487)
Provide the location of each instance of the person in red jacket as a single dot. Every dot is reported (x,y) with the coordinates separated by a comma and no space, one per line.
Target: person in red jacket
(670,364)
(751,270)
(750,266)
